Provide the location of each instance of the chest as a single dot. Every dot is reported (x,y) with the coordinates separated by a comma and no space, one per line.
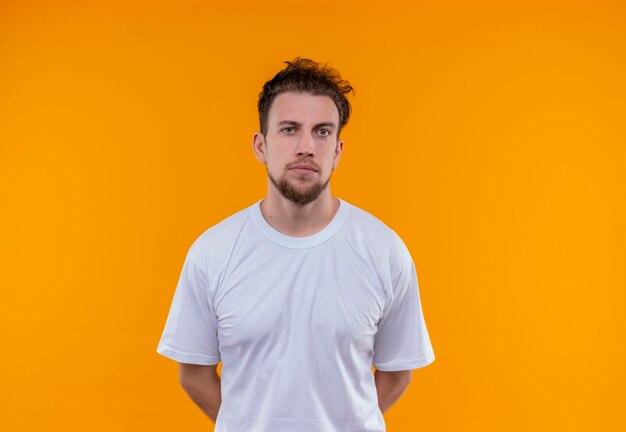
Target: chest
(299,299)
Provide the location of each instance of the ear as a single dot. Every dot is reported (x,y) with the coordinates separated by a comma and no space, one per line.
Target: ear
(258,147)
(338,151)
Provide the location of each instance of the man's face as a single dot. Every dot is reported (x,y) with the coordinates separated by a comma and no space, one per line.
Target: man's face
(300,149)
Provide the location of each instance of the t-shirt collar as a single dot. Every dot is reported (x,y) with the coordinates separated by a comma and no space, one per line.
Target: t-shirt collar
(299,242)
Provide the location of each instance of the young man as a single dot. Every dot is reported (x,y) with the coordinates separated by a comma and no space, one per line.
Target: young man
(300,293)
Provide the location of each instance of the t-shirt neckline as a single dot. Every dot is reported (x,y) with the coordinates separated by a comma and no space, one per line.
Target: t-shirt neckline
(299,242)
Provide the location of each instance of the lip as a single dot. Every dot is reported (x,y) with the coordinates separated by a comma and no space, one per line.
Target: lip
(303,168)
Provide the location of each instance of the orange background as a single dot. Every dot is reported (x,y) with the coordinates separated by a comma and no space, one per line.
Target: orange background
(488,134)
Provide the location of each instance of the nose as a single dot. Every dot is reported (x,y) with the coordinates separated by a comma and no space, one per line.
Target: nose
(305,146)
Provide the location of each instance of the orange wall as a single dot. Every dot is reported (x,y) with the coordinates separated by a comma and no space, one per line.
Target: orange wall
(489,134)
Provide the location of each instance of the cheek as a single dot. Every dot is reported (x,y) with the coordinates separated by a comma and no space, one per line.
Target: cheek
(331,158)
(275,164)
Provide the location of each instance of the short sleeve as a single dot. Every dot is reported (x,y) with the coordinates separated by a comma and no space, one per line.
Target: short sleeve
(190,334)
(402,341)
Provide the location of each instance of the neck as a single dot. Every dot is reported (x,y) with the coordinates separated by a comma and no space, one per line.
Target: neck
(298,220)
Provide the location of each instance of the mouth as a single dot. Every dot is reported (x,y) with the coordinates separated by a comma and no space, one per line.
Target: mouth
(303,168)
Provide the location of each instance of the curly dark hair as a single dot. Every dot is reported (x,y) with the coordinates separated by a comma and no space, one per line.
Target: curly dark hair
(305,75)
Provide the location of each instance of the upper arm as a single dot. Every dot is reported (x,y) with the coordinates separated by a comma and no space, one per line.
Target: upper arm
(403,376)
(191,330)
(190,374)
(402,341)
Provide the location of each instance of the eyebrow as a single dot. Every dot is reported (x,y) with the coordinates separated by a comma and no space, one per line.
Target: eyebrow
(293,122)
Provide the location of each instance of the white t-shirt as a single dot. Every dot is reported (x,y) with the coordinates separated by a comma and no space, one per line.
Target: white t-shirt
(297,322)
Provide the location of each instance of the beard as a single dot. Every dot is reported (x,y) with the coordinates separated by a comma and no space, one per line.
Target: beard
(300,197)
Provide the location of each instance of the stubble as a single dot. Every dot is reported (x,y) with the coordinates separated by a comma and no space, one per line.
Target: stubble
(300,197)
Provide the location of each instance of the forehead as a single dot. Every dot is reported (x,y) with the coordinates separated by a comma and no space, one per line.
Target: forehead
(303,108)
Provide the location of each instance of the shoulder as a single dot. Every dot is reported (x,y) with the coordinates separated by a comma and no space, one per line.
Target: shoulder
(377,235)
(218,239)
(374,229)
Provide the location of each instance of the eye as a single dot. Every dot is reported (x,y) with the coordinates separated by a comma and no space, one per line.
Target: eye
(326,132)
(285,129)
